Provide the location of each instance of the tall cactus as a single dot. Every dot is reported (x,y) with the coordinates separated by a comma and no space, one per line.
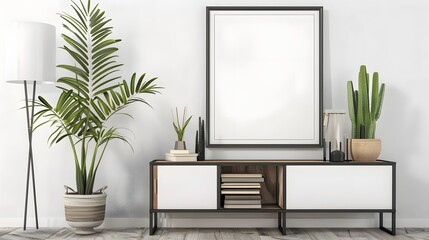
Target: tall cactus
(363,111)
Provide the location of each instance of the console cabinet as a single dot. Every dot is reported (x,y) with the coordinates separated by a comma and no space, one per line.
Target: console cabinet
(289,186)
(339,187)
(187,187)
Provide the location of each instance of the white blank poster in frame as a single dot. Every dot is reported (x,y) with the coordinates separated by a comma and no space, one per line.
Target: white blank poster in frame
(264,76)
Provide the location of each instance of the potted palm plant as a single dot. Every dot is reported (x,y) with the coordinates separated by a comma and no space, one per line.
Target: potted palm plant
(364,111)
(90,96)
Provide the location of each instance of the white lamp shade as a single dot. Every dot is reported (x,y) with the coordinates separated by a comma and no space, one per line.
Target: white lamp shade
(30,53)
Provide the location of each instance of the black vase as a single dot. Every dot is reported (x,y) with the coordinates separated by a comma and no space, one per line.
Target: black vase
(200,146)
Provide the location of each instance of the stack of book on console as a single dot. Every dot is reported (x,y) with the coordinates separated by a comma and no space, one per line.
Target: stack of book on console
(181,156)
(242,190)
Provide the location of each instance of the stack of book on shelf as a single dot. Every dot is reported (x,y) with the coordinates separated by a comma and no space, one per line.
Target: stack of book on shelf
(242,190)
(181,156)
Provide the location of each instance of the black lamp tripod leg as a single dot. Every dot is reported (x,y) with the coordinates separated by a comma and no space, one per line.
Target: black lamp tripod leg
(30,165)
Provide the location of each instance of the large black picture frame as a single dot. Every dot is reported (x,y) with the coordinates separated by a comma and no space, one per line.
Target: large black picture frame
(227,125)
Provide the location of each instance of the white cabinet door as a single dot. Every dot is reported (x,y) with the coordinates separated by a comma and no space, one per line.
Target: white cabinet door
(187,187)
(339,187)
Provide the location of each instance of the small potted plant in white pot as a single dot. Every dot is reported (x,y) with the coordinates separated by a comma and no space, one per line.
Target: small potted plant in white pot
(364,111)
(90,96)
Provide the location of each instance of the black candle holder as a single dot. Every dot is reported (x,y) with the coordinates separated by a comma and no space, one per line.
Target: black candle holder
(336,155)
(200,146)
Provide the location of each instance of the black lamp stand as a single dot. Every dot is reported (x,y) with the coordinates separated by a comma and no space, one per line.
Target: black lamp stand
(30,166)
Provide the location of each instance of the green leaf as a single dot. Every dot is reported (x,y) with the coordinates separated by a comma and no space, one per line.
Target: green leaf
(104,44)
(104,106)
(63,97)
(79,26)
(140,82)
(83,7)
(126,88)
(94,14)
(99,112)
(99,18)
(109,100)
(102,67)
(100,36)
(123,95)
(83,84)
(62,137)
(105,90)
(45,102)
(105,82)
(78,58)
(114,97)
(79,35)
(106,72)
(93,10)
(81,73)
(104,52)
(103,61)
(147,84)
(133,84)
(78,85)
(53,133)
(80,47)
(102,57)
(79,12)
(99,26)
(77,116)
(69,111)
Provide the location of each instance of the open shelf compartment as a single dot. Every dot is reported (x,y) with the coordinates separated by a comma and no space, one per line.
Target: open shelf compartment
(272,189)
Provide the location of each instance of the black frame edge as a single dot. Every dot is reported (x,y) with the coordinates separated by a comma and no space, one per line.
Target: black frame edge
(264,8)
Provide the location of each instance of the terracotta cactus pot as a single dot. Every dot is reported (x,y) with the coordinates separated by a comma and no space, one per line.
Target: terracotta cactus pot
(365,149)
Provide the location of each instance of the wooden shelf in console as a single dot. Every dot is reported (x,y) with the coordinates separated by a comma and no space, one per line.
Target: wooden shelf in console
(265,208)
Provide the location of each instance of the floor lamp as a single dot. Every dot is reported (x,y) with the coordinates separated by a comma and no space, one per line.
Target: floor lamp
(30,60)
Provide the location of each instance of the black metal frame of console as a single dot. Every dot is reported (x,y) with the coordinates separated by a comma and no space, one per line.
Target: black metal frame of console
(281,212)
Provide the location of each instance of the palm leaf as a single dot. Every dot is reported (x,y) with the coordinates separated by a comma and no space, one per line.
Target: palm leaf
(79,26)
(104,44)
(78,58)
(81,73)
(80,36)
(78,45)
(101,35)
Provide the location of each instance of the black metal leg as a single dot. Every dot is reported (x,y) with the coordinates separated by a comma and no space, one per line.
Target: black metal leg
(150,223)
(26,195)
(391,231)
(394,223)
(30,166)
(282,222)
(153,222)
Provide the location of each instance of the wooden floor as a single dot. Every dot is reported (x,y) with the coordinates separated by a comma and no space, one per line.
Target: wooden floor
(215,233)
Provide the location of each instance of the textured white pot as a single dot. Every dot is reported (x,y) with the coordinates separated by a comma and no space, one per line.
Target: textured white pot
(85,212)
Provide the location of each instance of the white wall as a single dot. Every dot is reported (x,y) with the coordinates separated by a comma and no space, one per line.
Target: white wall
(166,38)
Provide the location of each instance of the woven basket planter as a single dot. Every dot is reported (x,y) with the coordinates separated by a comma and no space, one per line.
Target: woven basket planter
(85,212)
